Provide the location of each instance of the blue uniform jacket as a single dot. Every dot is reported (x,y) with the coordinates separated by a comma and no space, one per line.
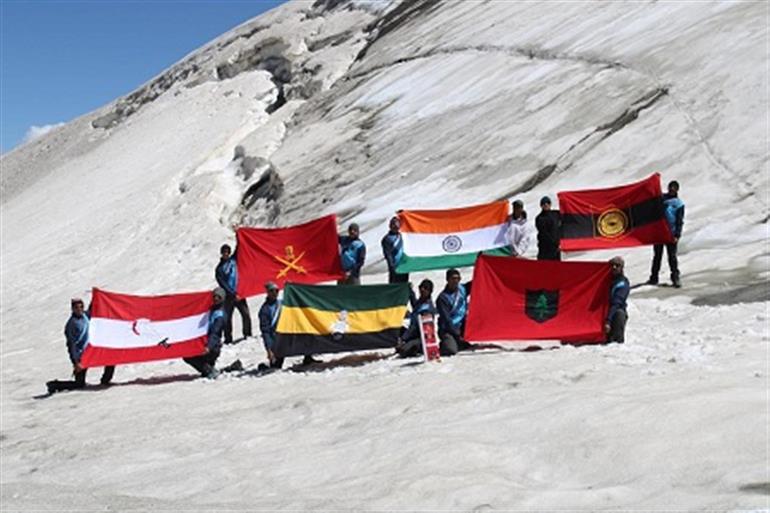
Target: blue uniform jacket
(674,210)
(392,249)
(353,254)
(268,320)
(216,327)
(76,333)
(418,307)
(618,295)
(226,275)
(452,308)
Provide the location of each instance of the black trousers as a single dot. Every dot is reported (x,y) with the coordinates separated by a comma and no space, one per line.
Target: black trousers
(80,380)
(411,347)
(243,308)
(203,363)
(618,327)
(548,253)
(394,277)
(657,258)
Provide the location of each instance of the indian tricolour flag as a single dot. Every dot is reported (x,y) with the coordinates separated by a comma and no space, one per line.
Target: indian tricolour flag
(440,239)
(129,329)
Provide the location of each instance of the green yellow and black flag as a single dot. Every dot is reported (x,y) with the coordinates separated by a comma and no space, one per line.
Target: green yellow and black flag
(331,319)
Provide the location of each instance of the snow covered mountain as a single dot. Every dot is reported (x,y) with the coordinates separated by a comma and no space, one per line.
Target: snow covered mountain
(359,109)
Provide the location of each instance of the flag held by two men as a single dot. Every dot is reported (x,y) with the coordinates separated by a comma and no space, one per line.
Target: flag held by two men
(129,329)
(519,299)
(331,319)
(629,215)
(304,253)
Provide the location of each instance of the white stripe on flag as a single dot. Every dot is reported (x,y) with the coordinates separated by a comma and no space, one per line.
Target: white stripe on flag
(440,244)
(119,334)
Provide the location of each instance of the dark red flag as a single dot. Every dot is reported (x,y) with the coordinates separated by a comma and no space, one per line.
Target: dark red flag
(518,299)
(629,215)
(305,253)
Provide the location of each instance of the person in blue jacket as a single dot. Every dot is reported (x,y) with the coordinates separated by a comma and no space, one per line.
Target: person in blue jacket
(205,363)
(268,320)
(674,212)
(76,335)
(452,306)
(352,254)
(410,343)
(226,274)
(615,325)
(393,251)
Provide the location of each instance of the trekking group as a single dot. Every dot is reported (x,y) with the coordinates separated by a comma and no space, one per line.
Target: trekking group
(450,307)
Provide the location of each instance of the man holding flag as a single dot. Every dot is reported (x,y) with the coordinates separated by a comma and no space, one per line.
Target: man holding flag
(226,274)
(674,212)
(76,333)
(452,306)
(268,320)
(205,362)
(615,326)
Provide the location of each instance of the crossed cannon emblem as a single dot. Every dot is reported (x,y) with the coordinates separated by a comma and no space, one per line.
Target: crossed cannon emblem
(290,261)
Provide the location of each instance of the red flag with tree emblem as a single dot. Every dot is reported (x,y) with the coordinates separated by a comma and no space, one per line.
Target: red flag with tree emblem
(628,215)
(519,299)
(305,253)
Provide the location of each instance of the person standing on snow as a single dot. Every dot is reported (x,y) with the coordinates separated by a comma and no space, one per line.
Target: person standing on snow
(76,335)
(548,223)
(674,212)
(615,325)
(393,251)
(353,255)
(519,232)
(226,274)
(452,306)
(410,343)
(268,320)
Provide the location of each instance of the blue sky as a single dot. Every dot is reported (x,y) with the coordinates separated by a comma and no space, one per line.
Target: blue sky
(60,59)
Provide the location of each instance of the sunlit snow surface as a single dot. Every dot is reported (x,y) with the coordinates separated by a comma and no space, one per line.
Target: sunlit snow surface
(459,103)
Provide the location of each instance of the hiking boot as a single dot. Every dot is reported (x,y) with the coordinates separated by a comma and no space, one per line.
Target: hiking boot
(234,367)
(652,281)
(212,374)
(51,386)
(676,284)
(309,360)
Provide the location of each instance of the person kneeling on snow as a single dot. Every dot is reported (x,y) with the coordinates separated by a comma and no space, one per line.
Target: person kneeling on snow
(410,343)
(76,333)
(452,306)
(615,326)
(205,362)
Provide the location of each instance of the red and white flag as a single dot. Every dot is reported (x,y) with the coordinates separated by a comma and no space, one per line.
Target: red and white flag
(129,329)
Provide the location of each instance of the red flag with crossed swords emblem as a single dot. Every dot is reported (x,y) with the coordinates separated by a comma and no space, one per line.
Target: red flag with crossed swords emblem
(304,253)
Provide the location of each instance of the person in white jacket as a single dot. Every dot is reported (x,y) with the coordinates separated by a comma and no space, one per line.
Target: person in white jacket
(519,232)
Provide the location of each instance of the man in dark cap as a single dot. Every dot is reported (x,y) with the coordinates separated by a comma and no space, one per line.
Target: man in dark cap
(615,326)
(548,223)
(674,211)
(393,251)
(352,254)
(268,320)
(226,274)
(410,343)
(205,362)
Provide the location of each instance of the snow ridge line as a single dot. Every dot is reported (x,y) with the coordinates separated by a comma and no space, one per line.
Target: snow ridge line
(530,53)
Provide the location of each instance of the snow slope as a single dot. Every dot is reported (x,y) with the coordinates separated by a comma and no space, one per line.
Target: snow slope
(361,108)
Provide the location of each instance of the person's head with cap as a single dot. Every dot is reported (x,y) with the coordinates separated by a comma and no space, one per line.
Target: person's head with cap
(218,294)
(394,225)
(271,289)
(225,251)
(78,306)
(545,203)
(673,188)
(426,289)
(518,210)
(353,230)
(617,264)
